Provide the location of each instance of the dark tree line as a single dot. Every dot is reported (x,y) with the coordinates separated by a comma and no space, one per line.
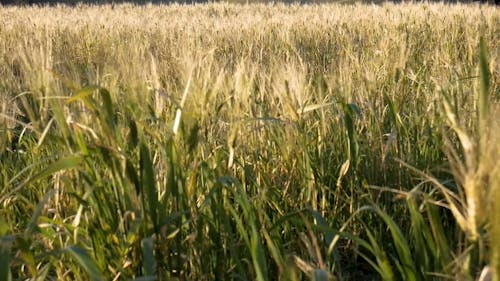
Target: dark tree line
(74,2)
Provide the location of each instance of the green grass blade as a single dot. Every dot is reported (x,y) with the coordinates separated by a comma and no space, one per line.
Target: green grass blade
(381,264)
(148,256)
(38,211)
(83,93)
(401,244)
(148,186)
(5,257)
(43,273)
(350,111)
(66,163)
(421,235)
(86,262)
(248,228)
(107,105)
(443,250)
(484,75)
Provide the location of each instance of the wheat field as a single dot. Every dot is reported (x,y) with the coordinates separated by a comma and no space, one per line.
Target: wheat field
(250,142)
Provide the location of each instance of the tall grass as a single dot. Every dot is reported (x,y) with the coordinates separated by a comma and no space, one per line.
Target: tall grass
(256,142)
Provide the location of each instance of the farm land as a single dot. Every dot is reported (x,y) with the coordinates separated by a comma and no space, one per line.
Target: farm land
(250,142)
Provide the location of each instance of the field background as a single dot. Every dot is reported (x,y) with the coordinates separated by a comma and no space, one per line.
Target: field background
(252,142)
